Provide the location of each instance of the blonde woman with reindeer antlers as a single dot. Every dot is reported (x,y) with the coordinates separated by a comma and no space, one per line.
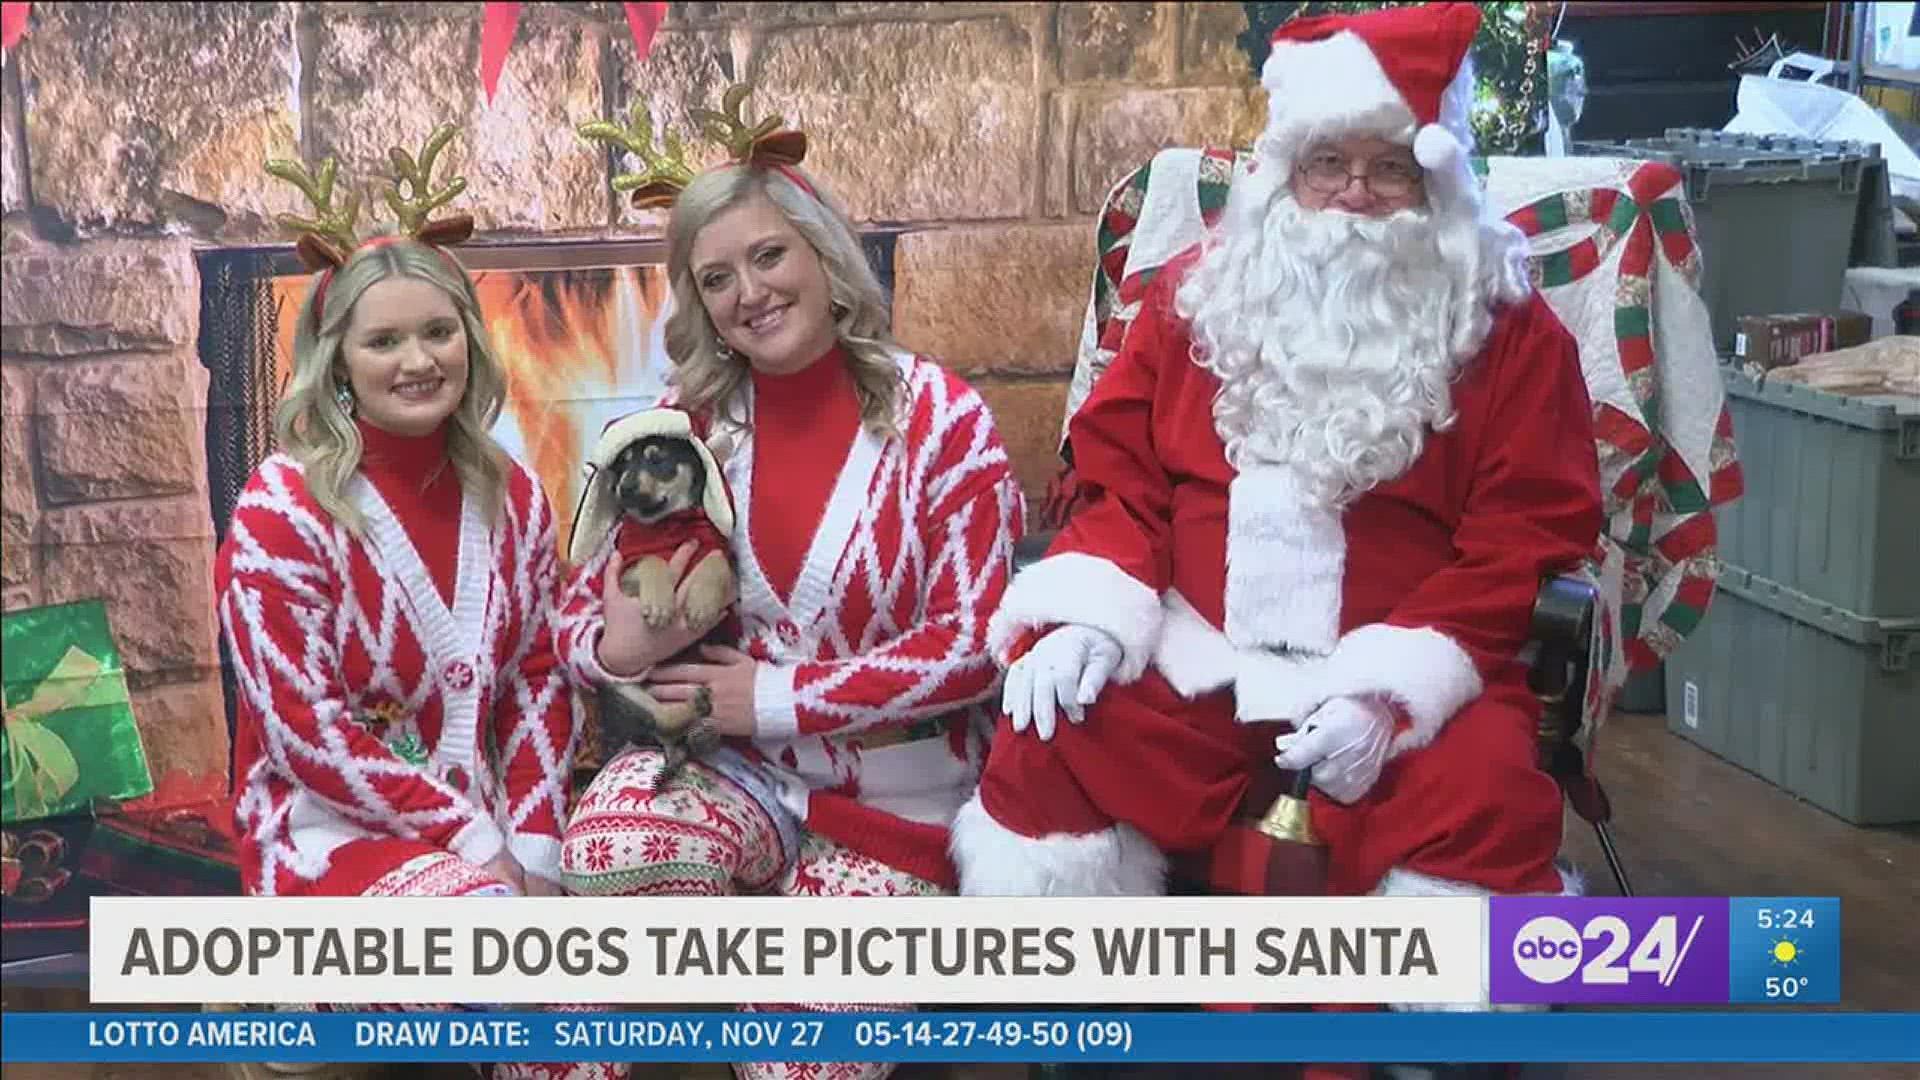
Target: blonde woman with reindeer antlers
(873,529)
(386,590)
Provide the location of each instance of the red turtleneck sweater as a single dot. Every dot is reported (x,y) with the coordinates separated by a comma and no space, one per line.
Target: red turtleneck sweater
(803,427)
(413,474)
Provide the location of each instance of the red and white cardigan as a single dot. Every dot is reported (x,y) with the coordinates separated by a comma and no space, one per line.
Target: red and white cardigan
(876,691)
(367,707)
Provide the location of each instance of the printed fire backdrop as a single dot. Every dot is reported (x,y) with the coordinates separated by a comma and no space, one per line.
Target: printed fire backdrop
(580,347)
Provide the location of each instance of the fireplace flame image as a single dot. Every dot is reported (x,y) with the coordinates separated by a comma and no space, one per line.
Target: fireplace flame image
(579,348)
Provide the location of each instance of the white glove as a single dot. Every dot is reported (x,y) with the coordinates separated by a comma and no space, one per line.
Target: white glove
(1344,742)
(1068,667)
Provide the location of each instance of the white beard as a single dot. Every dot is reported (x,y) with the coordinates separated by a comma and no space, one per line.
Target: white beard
(1336,337)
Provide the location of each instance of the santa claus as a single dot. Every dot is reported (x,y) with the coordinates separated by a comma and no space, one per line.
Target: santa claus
(1342,445)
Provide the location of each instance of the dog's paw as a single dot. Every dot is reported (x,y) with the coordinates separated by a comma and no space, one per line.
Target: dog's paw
(710,590)
(699,613)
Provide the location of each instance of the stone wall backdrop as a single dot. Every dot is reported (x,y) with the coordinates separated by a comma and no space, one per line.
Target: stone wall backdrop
(132,135)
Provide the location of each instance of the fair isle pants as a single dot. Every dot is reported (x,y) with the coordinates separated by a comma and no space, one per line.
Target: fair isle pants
(415,869)
(704,835)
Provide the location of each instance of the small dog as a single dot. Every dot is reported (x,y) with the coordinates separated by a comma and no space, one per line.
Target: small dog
(660,484)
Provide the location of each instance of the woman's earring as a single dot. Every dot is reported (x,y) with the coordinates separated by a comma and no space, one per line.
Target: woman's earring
(725,351)
(343,396)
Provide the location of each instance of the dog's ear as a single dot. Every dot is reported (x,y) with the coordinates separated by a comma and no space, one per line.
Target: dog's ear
(696,476)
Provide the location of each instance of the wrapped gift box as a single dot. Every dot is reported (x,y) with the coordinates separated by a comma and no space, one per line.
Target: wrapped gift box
(55,866)
(70,744)
(44,907)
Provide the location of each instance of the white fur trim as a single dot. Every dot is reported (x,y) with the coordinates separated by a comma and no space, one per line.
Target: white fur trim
(775,713)
(598,511)
(1286,558)
(1452,187)
(1276,687)
(1194,656)
(1327,88)
(993,860)
(1082,590)
(1400,881)
(1422,669)
(1436,148)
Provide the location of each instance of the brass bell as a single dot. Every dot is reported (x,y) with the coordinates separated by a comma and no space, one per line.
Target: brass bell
(1290,818)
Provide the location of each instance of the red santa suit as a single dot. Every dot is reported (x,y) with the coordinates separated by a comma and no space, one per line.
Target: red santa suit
(1240,598)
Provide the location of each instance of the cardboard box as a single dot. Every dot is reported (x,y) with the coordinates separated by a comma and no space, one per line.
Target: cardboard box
(1771,341)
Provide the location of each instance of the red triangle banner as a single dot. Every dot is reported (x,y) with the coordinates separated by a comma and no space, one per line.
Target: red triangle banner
(13,23)
(496,37)
(497,28)
(643,20)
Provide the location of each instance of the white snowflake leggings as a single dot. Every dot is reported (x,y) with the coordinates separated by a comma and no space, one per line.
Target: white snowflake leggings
(705,836)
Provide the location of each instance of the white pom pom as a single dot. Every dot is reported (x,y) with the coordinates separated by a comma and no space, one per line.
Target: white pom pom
(1435,147)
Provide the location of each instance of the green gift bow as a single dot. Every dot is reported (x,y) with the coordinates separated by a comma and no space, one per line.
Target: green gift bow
(40,767)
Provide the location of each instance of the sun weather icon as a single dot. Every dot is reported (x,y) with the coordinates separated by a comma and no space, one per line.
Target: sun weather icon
(1783,950)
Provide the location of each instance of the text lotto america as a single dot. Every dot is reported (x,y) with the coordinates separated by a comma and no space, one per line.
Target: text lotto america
(1361,949)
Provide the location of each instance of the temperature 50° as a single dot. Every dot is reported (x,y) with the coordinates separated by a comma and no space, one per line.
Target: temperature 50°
(1787,986)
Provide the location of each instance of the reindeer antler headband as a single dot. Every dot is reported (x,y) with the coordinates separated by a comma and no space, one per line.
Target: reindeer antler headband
(766,143)
(330,238)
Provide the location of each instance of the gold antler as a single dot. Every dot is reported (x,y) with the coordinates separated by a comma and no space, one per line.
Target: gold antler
(765,142)
(413,208)
(667,172)
(328,236)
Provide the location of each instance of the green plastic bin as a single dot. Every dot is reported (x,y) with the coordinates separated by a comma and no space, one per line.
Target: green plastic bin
(1832,501)
(1817,700)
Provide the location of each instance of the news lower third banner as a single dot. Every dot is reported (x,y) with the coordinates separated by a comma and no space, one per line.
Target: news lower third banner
(1025,1037)
(676,952)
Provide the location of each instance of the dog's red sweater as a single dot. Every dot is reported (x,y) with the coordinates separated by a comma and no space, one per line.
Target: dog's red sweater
(635,541)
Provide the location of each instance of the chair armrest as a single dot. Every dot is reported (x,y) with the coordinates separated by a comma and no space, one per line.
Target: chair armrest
(1562,634)
(1031,548)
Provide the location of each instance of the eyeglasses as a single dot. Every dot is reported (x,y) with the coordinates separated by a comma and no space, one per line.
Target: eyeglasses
(1388,178)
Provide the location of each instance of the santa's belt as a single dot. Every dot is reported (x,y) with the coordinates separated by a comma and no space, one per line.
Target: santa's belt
(897,735)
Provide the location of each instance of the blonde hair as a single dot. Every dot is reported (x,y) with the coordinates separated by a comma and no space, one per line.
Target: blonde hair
(707,377)
(310,423)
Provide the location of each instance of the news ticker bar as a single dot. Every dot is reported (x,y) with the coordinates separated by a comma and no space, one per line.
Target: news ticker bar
(1061,952)
(1033,1037)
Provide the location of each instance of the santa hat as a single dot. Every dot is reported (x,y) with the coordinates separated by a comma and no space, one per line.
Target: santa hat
(1399,73)
(600,508)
